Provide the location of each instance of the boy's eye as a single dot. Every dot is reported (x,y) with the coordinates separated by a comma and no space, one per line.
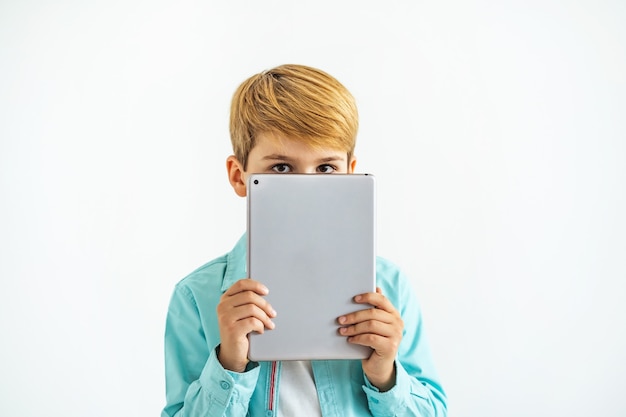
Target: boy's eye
(326,169)
(281,168)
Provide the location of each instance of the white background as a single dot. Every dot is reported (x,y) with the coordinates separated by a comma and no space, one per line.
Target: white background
(496,129)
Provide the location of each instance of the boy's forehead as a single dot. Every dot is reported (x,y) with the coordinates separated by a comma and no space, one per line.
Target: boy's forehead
(292,146)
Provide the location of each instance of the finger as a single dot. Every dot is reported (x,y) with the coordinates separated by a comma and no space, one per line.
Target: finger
(239,294)
(367,314)
(249,297)
(373,327)
(383,346)
(376,299)
(251,311)
(251,324)
(379,343)
(242,328)
(245,318)
(246,284)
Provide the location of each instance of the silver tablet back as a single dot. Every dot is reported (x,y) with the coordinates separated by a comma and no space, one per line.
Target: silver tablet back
(311,241)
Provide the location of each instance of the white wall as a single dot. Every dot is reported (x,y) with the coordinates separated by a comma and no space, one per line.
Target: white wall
(496,129)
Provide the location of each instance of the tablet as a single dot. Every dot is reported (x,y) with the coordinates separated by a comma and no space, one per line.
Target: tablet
(311,241)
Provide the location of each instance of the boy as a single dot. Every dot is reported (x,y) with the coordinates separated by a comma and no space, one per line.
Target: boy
(295,119)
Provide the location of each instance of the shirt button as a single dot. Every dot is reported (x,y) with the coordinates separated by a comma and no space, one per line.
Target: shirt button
(269,413)
(224,385)
(375,400)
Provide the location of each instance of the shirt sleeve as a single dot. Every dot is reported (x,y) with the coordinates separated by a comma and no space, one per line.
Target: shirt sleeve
(417,391)
(196,383)
(408,397)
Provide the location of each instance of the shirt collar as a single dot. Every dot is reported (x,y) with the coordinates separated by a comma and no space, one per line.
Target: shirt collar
(236,263)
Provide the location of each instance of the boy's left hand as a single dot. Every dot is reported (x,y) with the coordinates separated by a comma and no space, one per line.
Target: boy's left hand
(381,329)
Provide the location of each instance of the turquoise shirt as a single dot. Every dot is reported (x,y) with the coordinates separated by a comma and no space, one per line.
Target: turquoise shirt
(197,385)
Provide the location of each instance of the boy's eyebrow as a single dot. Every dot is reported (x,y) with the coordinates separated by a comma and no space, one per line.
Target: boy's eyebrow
(331,159)
(276,156)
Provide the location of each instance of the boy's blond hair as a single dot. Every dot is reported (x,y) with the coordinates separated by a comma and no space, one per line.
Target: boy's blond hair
(300,102)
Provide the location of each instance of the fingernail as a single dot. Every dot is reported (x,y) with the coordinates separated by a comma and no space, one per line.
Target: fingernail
(343,330)
(342,319)
(358,298)
(272,325)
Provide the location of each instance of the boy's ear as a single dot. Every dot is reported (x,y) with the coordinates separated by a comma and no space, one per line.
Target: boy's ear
(352,165)
(236,175)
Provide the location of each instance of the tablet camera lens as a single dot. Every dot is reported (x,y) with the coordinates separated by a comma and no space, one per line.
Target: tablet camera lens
(256,181)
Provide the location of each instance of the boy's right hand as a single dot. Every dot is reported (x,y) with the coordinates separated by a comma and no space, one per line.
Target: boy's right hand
(242,309)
